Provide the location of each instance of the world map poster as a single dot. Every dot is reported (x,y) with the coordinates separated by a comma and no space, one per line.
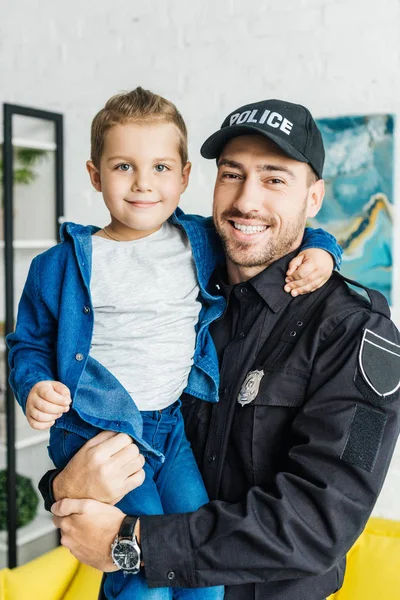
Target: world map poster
(358,204)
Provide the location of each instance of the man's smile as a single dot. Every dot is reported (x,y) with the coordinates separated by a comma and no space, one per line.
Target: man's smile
(243,229)
(249,229)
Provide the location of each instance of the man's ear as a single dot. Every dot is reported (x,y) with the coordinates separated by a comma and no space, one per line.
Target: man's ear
(185,175)
(94,175)
(315,197)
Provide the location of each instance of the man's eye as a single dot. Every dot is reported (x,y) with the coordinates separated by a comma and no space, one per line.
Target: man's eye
(124,167)
(161,168)
(230,176)
(275,181)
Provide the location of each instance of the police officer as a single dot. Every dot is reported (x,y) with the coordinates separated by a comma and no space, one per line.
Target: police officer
(295,453)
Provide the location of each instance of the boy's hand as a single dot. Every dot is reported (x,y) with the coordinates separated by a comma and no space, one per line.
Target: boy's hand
(308,271)
(46,402)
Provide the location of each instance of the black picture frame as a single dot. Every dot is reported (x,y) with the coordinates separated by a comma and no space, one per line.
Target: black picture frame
(9,110)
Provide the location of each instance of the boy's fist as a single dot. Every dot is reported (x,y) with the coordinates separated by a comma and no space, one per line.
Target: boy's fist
(308,271)
(46,402)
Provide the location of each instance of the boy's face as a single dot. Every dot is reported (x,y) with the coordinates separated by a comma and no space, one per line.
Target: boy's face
(140,176)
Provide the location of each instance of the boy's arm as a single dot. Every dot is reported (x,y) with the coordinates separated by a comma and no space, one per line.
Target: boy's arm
(32,355)
(319,238)
(319,254)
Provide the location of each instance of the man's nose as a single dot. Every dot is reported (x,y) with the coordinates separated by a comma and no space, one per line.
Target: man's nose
(249,198)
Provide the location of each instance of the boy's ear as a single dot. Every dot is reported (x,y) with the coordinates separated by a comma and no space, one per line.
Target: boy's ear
(94,175)
(315,198)
(185,175)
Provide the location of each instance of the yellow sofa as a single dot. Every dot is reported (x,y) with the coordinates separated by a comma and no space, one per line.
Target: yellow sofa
(373,571)
(56,575)
(373,564)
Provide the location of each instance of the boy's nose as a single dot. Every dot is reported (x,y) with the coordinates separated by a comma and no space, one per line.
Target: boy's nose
(141,183)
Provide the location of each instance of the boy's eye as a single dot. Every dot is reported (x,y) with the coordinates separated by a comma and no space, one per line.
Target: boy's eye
(124,167)
(161,168)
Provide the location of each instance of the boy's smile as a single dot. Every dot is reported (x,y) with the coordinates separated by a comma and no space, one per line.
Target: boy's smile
(140,176)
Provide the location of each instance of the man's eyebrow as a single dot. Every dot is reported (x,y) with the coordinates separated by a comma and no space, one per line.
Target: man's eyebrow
(273,168)
(226,162)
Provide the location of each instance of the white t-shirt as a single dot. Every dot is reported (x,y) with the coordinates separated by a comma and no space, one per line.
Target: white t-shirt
(145,301)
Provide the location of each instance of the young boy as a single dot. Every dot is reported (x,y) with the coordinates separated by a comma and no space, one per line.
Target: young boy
(117,319)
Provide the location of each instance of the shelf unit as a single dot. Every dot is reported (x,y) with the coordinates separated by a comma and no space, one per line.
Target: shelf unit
(34,539)
(30,244)
(22,449)
(36,437)
(42,524)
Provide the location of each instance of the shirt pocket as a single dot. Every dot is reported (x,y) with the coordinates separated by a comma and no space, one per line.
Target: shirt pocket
(282,388)
(279,399)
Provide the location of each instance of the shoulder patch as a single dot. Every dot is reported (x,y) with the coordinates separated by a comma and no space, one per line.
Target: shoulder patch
(379,364)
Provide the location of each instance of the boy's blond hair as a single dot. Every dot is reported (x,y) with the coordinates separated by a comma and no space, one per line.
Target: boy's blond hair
(139,106)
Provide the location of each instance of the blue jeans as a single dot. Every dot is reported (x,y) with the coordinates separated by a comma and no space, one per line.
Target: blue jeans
(171,487)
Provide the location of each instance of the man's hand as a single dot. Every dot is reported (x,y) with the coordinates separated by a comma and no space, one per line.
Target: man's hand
(88,529)
(46,402)
(308,271)
(106,468)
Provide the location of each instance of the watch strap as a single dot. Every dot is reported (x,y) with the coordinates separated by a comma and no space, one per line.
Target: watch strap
(46,487)
(127,529)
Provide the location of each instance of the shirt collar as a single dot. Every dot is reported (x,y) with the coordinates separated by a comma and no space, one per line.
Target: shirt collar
(268,284)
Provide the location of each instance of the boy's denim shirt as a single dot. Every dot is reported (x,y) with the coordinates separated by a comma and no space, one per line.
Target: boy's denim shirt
(55,324)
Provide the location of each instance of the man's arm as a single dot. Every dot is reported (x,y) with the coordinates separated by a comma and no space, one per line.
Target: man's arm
(308,518)
(106,468)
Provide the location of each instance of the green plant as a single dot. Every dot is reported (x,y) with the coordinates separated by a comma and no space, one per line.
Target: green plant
(25,160)
(27,501)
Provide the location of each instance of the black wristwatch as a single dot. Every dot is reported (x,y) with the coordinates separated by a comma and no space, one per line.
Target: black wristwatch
(125,550)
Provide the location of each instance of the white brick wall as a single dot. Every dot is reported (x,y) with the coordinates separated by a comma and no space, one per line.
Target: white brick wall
(335,56)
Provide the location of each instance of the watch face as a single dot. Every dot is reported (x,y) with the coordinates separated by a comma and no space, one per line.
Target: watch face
(125,555)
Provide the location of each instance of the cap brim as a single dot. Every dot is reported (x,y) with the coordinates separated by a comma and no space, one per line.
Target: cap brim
(214,145)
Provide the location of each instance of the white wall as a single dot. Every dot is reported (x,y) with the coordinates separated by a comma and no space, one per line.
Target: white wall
(337,57)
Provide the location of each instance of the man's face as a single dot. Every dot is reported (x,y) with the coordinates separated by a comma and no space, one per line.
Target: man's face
(262,199)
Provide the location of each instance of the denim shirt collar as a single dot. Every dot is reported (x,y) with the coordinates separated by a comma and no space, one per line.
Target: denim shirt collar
(206,247)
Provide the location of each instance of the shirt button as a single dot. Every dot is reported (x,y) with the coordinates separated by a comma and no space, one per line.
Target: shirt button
(299,323)
(170,575)
(242,335)
(244,289)
(86,310)
(293,333)
(211,458)
(79,356)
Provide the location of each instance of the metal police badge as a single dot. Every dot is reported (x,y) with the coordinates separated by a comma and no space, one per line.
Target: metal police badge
(251,385)
(379,363)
